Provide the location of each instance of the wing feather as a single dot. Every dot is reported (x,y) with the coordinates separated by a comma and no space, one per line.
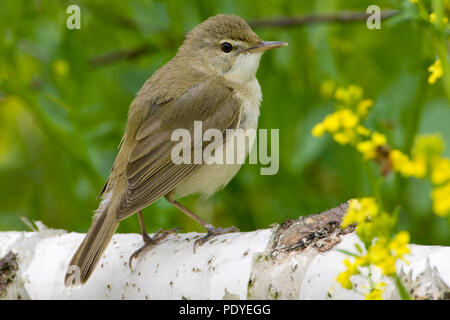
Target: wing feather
(150,172)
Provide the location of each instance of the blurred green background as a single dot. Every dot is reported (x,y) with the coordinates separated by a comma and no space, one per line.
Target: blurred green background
(64,96)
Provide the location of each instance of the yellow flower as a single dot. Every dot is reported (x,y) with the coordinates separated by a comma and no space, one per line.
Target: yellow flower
(351,269)
(399,245)
(331,122)
(327,88)
(433,18)
(363,107)
(344,124)
(363,131)
(359,211)
(369,147)
(387,266)
(419,167)
(348,119)
(408,168)
(369,206)
(440,171)
(429,146)
(60,67)
(372,223)
(383,253)
(318,130)
(378,139)
(344,279)
(398,159)
(375,294)
(436,71)
(343,137)
(441,200)
(342,119)
(348,95)
(380,256)
(379,225)
(378,252)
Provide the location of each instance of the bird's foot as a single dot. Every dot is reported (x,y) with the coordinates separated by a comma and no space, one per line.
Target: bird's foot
(160,235)
(212,232)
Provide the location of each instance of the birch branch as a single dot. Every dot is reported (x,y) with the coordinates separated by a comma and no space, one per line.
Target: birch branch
(309,19)
(298,260)
(279,22)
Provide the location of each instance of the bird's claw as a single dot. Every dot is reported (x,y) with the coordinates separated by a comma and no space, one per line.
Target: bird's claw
(212,232)
(149,241)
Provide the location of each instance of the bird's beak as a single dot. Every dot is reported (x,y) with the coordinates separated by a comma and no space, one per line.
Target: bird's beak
(266,45)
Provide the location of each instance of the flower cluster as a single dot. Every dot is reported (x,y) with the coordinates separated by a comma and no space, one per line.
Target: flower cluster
(371,222)
(433,19)
(374,227)
(376,292)
(427,160)
(407,167)
(441,171)
(439,22)
(370,147)
(346,127)
(441,199)
(382,248)
(431,148)
(345,123)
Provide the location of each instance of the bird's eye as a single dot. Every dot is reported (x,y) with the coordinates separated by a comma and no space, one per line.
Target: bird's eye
(226,47)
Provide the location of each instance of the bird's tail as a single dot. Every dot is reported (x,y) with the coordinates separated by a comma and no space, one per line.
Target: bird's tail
(91,249)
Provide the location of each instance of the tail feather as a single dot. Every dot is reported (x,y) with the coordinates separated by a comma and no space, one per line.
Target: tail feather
(91,249)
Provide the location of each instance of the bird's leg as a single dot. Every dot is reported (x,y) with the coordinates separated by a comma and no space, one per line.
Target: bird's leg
(145,236)
(160,235)
(212,231)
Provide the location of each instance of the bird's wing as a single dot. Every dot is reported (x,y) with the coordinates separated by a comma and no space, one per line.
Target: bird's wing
(150,171)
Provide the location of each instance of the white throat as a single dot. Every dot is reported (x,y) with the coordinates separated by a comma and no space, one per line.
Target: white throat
(244,68)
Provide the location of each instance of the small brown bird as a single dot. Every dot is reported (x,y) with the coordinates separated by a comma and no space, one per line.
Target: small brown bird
(210,79)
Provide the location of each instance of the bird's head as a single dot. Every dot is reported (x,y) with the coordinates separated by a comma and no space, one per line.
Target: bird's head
(225,46)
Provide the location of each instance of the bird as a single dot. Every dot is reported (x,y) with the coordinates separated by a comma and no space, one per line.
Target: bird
(212,79)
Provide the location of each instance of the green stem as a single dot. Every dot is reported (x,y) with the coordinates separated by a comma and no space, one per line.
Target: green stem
(401,289)
(371,284)
(349,253)
(415,113)
(375,185)
(422,11)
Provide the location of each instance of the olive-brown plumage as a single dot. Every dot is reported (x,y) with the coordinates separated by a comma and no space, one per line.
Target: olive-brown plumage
(203,82)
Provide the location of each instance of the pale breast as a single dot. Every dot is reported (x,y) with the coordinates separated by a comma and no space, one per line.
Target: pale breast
(212,177)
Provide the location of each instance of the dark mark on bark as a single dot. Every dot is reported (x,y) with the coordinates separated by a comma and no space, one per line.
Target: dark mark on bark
(321,231)
(8,268)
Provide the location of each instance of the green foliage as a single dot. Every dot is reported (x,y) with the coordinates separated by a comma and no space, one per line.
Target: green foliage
(63,109)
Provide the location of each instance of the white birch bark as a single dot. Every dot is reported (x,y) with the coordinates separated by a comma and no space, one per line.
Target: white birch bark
(298,260)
